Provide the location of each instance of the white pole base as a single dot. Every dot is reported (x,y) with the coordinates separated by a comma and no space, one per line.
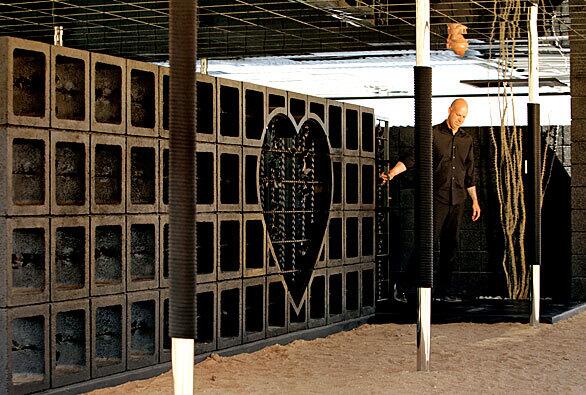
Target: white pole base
(182,359)
(535,294)
(423,329)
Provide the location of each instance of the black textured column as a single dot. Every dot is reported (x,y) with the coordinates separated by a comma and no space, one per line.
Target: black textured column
(424,186)
(182,122)
(533,186)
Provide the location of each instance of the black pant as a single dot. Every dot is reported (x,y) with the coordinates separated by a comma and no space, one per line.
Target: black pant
(446,224)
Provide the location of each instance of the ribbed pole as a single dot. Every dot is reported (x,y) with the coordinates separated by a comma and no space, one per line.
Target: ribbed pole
(424,186)
(182,238)
(533,247)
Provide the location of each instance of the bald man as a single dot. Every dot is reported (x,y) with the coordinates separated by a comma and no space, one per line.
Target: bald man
(453,178)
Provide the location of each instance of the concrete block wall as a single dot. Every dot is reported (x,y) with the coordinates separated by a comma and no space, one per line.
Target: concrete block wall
(578,185)
(84,227)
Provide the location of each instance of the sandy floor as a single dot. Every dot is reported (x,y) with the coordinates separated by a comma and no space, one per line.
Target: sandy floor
(466,358)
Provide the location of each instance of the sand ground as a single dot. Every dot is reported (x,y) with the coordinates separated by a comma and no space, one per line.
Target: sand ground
(466,358)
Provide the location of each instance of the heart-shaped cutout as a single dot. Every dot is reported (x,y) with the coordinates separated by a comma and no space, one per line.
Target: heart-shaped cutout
(295,192)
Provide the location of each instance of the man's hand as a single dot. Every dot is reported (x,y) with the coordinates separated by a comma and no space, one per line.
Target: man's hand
(386,176)
(475,211)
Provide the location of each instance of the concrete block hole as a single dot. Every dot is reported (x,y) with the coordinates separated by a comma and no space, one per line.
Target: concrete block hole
(205,247)
(142,180)
(229,178)
(335,241)
(254,309)
(143,253)
(229,111)
(28,259)
(351,183)
(70,355)
(108,93)
(109,322)
(28,350)
(28,83)
(230,313)
(142,328)
(351,129)
(335,294)
(70,88)
(229,238)
(254,113)
(335,126)
(367,132)
(28,172)
(205,317)
(70,257)
(317,298)
(276,305)
(108,174)
(70,169)
(352,291)
(142,95)
(108,255)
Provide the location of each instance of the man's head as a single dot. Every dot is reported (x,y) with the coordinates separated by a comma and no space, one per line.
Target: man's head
(457,114)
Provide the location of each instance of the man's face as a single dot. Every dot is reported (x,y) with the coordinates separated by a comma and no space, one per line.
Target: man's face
(457,114)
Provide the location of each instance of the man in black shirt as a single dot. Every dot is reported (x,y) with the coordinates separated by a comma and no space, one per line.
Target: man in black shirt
(453,177)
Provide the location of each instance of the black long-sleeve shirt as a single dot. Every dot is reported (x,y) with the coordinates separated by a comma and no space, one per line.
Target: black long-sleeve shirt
(453,164)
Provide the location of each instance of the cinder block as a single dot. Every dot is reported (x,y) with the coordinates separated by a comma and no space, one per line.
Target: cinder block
(25,354)
(142,175)
(70,246)
(335,132)
(367,236)
(24,82)
(24,253)
(205,156)
(352,184)
(207,250)
(108,94)
(277,313)
(206,106)
(142,80)
(367,135)
(317,107)
(165,337)
(255,244)
(108,335)
(229,178)
(24,171)
(142,252)
(229,246)
(108,174)
(276,102)
(255,113)
(254,309)
(251,158)
(317,299)
(335,239)
(229,313)
(351,237)
(352,135)
(70,342)
(70,88)
(352,290)
(142,329)
(337,183)
(207,313)
(297,314)
(336,297)
(108,255)
(229,114)
(70,173)
(368,183)
(298,107)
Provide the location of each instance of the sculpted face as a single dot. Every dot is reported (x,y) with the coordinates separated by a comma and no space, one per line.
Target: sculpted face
(457,114)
